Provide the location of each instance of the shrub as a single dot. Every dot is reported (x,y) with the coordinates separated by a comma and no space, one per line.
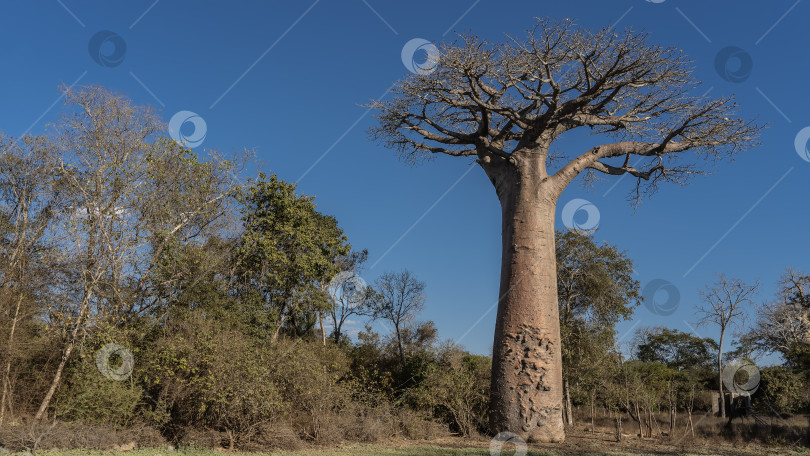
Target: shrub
(214,377)
(781,390)
(90,397)
(456,389)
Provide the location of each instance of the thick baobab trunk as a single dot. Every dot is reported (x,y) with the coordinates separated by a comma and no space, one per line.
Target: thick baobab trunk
(526,390)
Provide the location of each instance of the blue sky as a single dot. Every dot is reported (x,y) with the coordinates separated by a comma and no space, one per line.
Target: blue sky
(288,80)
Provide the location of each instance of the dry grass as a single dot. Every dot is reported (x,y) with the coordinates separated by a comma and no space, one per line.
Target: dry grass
(771,436)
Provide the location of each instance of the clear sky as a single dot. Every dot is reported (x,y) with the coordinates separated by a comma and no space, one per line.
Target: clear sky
(288,80)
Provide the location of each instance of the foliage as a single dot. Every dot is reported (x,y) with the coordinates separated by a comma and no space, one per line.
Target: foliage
(782,390)
(285,249)
(456,388)
(676,349)
(90,397)
(595,290)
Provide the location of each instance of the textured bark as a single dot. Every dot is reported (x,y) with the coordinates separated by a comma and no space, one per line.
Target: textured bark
(526,390)
(505,104)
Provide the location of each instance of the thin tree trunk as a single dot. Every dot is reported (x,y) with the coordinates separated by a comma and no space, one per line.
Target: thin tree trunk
(527,386)
(399,347)
(640,422)
(277,331)
(720,376)
(673,415)
(323,333)
(618,427)
(65,356)
(569,414)
(593,426)
(7,370)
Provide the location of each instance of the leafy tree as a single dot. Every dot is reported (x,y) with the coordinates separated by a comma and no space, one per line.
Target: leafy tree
(781,390)
(595,290)
(128,192)
(505,105)
(676,349)
(286,248)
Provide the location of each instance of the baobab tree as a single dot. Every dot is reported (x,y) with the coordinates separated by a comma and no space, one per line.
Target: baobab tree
(504,105)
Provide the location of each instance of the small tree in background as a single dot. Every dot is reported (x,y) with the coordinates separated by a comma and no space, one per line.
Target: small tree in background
(676,349)
(724,305)
(400,297)
(350,295)
(595,290)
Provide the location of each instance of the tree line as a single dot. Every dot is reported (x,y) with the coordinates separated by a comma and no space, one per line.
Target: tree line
(142,284)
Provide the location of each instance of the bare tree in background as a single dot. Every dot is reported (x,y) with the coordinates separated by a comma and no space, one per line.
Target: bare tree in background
(724,305)
(400,297)
(504,105)
(348,292)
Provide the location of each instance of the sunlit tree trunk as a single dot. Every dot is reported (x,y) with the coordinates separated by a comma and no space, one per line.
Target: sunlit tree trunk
(7,371)
(569,414)
(526,391)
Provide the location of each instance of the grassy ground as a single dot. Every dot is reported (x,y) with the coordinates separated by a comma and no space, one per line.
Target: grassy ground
(362,450)
(367,450)
(746,440)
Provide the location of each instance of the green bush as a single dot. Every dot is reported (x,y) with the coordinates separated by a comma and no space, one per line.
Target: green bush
(456,389)
(90,397)
(781,389)
(211,376)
